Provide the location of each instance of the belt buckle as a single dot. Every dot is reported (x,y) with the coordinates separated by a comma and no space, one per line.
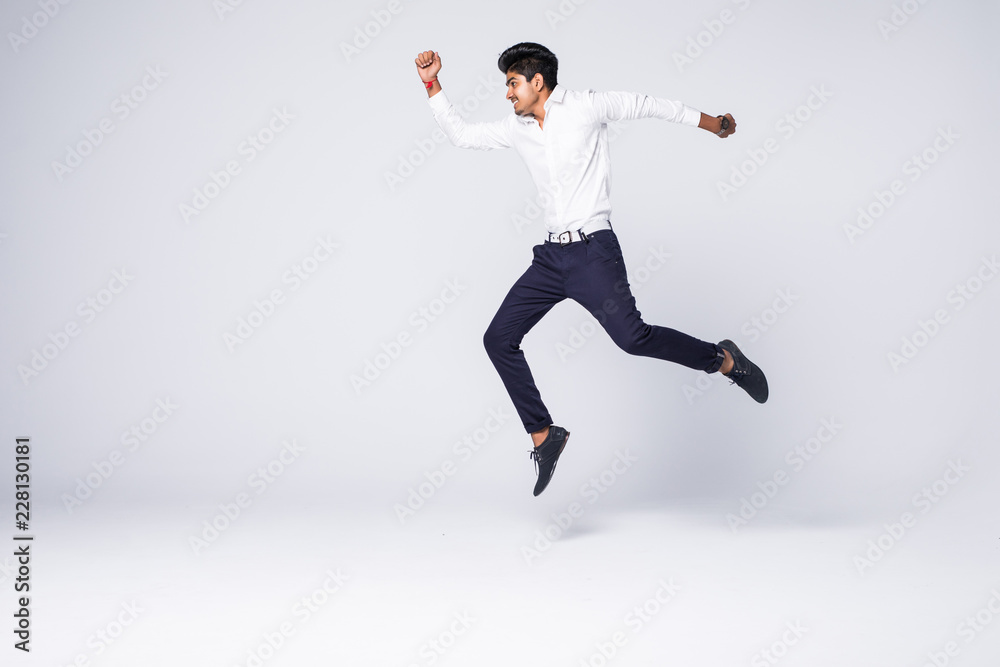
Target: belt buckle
(569,238)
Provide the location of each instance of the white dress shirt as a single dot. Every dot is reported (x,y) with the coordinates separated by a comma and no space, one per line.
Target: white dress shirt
(568,158)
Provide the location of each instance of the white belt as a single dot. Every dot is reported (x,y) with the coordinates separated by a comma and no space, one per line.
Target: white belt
(579,235)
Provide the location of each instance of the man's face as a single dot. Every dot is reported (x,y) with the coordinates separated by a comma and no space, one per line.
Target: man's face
(521,93)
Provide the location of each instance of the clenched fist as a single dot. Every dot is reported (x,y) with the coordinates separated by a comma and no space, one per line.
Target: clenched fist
(729,130)
(428,65)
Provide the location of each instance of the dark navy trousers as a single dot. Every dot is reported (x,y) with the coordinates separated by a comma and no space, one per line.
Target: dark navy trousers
(592,273)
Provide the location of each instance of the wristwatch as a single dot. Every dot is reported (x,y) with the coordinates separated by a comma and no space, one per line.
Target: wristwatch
(725,125)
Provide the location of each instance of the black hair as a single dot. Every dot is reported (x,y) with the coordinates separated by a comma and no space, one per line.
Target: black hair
(528,59)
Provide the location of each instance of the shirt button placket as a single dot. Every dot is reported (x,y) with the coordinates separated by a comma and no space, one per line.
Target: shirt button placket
(553,177)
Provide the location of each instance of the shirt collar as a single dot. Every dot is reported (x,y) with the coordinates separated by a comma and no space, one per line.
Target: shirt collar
(556,96)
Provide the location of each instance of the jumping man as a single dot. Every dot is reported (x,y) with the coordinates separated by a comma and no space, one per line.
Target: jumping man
(562,135)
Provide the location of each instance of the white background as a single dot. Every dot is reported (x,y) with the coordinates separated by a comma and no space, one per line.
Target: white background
(360,117)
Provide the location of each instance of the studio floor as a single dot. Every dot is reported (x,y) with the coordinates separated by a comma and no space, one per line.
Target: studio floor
(588,585)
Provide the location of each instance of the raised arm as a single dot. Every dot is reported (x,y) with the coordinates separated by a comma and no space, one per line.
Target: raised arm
(619,105)
(482,136)
(428,66)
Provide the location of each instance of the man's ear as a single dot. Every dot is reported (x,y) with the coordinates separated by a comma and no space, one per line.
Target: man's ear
(538,81)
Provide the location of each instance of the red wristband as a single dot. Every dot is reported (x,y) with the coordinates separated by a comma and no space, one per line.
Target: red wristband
(430,84)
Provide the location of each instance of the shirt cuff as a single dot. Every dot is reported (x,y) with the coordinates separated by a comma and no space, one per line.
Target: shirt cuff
(691,116)
(438,101)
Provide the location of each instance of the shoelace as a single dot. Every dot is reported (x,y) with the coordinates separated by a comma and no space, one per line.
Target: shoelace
(533,454)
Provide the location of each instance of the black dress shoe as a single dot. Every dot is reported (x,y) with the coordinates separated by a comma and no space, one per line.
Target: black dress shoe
(546,455)
(745,373)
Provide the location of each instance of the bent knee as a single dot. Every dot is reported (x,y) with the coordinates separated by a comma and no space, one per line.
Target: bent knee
(633,342)
(497,341)
(630,346)
(493,340)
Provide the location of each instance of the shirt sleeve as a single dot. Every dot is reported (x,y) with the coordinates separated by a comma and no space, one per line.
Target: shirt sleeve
(482,136)
(620,105)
